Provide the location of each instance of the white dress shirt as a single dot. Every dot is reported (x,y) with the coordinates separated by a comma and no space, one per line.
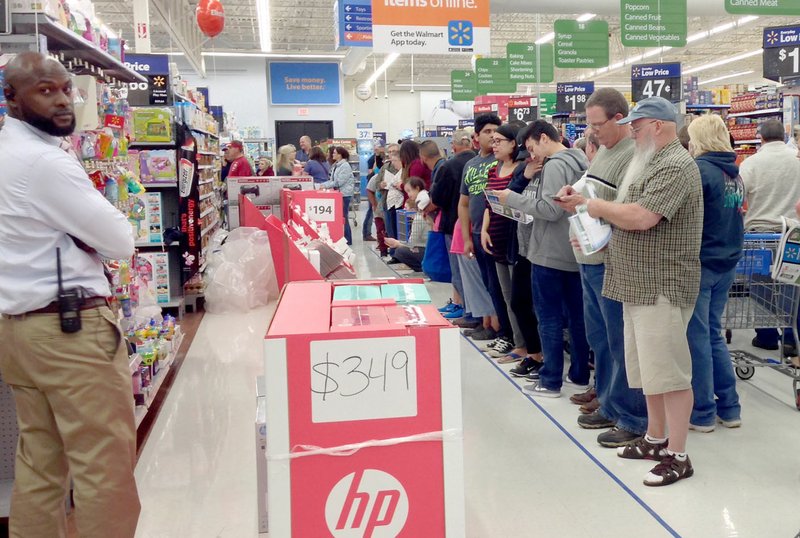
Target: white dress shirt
(46,197)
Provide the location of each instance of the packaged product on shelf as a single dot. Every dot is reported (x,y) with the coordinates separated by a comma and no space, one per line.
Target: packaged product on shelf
(152,125)
(157,165)
(146,218)
(152,268)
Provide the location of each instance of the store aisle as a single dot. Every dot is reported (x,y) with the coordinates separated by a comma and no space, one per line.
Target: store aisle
(529,469)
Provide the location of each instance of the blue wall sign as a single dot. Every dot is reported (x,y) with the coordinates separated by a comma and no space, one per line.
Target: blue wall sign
(304,83)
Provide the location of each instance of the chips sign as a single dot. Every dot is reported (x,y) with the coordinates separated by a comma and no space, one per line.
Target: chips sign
(572,96)
(581,45)
(492,74)
(431,26)
(463,85)
(530,63)
(781,57)
(656,80)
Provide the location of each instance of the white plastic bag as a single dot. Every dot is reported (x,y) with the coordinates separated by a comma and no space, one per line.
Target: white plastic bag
(241,275)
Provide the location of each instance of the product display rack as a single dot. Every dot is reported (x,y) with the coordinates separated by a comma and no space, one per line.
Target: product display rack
(157,378)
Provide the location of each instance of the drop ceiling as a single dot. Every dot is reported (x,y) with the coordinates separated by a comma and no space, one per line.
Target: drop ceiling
(306,26)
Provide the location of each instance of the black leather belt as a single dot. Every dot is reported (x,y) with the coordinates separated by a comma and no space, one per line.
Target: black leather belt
(52,308)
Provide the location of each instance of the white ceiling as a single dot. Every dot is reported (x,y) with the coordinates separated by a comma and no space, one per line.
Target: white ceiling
(306,26)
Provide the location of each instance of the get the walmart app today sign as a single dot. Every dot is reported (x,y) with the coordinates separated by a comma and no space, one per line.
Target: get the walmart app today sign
(431,26)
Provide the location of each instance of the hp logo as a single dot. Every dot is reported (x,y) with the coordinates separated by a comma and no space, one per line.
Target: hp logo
(367,504)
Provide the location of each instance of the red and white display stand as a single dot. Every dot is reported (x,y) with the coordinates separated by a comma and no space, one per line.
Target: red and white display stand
(322,206)
(364,419)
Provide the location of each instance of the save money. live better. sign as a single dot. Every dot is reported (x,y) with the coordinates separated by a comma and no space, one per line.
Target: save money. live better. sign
(304,83)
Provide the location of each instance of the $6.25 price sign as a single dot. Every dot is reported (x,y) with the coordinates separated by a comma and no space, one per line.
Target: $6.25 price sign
(320,209)
(371,378)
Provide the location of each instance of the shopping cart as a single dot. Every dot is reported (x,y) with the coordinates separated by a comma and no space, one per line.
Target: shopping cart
(355,205)
(756,301)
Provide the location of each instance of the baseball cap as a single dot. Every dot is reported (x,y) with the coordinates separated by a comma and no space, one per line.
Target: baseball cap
(656,108)
(236,144)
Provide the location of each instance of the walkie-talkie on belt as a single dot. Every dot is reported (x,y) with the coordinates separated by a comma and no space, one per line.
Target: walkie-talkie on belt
(69,303)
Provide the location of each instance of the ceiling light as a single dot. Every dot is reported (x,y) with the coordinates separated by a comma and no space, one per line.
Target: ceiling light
(547,38)
(586,17)
(108,31)
(733,75)
(264,25)
(390,59)
(724,61)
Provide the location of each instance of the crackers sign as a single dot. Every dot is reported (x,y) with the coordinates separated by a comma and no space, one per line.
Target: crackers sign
(431,26)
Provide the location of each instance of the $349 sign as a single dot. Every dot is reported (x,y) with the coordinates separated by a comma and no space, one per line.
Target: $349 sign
(321,209)
(363,379)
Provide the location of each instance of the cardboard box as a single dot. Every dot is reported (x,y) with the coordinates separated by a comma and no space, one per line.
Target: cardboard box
(332,390)
(356,293)
(406,293)
(261,454)
(266,191)
(146,218)
(152,268)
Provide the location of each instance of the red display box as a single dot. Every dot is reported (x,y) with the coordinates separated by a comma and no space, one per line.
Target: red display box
(321,206)
(388,386)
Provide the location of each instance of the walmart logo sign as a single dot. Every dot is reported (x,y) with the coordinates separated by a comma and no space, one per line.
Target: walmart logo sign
(460,33)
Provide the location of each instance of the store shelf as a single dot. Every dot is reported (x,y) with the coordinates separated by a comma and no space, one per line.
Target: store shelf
(754,141)
(165,366)
(134,363)
(765,112)
(61,39)
(161,145)
(707,107)
(208,153)
(205,167)
(206,181)
(207,211)
(160,185)
(206,195)
(156,245)
(209,228)
(201,131)
(203,267)
(175,302)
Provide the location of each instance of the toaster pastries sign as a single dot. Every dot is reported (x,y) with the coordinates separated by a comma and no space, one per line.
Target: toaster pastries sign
(431,26)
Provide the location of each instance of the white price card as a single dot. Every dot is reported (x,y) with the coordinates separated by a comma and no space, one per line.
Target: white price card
(320,209)
(365,379)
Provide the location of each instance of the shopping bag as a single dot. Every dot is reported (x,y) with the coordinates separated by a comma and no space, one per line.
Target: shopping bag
(457,246)
(436,262)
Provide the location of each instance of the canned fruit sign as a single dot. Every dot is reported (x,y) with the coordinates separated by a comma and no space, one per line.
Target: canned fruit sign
(431,26)
(653,23)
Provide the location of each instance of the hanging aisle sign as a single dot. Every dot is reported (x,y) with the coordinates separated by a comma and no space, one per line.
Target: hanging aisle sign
(656,80)
(463,85)
(353,23)
(763,7)
(781,57)
(492,75)
(653,23)
(530,63)
(581,45)
(431,26)
(572,96)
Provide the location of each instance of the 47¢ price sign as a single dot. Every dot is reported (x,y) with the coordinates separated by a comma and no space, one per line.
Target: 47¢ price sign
(656,80)
(321,209)
(373,378)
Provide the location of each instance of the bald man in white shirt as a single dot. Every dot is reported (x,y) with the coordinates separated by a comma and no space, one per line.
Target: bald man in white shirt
(72,389)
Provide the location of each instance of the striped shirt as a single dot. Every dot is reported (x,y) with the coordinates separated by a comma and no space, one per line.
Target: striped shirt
(664,260)
(500,227)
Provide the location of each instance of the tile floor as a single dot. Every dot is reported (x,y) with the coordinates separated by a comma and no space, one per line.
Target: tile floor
(529,469)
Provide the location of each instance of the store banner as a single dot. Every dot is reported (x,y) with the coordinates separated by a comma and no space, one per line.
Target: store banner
(492,76)
(656,80)
(463,85)
(530,63)
(572,96)
(431,26)
(581,45)
(304,83)
(653,23)
(188,204)
(781,57)
(156,91)
(763,7)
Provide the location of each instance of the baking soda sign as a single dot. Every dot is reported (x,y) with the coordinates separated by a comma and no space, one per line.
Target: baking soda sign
(367,504)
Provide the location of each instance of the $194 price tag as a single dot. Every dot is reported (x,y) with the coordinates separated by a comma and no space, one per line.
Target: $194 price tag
(374,378)
(321,209)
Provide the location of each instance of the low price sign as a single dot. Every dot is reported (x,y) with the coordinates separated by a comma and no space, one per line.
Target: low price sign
(656,80)
(572,96)
(781,53)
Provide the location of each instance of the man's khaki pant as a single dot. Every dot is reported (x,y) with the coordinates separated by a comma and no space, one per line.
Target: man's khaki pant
(75,414)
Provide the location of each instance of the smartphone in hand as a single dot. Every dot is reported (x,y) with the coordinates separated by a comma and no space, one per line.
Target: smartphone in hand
(556,198)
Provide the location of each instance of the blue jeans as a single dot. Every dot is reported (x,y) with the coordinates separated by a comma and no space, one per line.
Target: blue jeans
(554,293)
(366,229)
(455,270)
(492,283)
(712,370)
(606,336)
(390,220)
(346,210)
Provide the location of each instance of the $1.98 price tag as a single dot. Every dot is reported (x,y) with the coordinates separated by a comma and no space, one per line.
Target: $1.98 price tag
(372,378)
(321,209)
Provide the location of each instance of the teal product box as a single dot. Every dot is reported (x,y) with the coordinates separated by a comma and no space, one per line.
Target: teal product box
(406,293)
(356,293)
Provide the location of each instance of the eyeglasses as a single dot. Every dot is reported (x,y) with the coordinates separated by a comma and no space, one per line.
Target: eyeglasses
(635,130)
(496,141)
(597,126)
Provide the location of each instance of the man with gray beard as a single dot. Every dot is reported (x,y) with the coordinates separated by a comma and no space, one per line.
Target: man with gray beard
(653,269)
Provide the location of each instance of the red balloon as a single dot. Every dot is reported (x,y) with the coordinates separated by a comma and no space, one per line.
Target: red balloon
(210,17)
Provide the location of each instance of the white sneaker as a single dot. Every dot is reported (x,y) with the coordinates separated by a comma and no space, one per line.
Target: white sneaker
(735,423)
(569,381)
(490,346)
(536,389)
(701,429)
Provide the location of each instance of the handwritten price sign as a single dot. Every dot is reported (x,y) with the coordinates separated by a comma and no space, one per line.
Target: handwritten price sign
(320,209)
(365,379)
